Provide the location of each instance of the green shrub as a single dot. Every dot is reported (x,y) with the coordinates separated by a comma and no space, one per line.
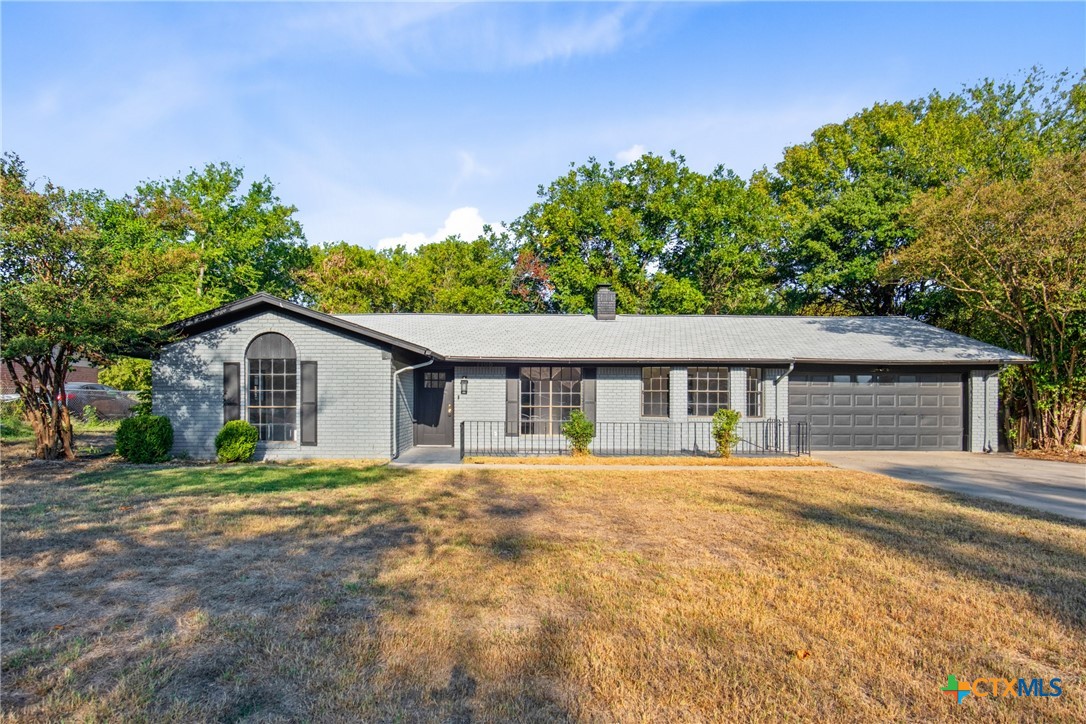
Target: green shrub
(725,433)
(13,424)
(90,415)
(145,439)
(579,430)
(236,442)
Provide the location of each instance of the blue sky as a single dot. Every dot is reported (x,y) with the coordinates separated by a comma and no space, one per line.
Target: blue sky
(402,122)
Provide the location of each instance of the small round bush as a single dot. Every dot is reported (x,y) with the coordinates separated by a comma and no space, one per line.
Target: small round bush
(145,439)
(579,431)
(236,442)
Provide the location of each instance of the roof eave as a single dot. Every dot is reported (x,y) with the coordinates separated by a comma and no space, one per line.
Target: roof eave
(251,305)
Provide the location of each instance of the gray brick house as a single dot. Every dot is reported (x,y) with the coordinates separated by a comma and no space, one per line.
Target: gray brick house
(375,385)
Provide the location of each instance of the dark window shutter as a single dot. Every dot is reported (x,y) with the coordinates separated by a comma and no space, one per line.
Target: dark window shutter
(231,391)
(588,392)
(512,401)
(309,403)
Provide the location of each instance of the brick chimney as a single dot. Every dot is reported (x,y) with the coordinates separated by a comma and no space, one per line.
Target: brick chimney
(605,302)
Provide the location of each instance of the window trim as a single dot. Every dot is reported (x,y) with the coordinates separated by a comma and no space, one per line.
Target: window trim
(524,426)
(646,376)
(247,392)
(756,375)
(725,376)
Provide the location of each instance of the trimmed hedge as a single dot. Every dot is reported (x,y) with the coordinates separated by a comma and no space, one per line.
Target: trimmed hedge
(145,439)
(236,442)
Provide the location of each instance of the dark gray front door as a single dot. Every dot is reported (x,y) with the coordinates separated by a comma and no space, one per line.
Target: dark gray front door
(433,406)
(872,411)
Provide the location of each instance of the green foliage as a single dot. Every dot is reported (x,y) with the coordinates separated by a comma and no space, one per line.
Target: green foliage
(666,238)
(579,431)
(90,415)
(456,276)
(1014,251)
(725,433)
(844,195)
(236,442)
(241,241)
(131,374)
(145,439)
(13,421)
(66,292)
(128,373)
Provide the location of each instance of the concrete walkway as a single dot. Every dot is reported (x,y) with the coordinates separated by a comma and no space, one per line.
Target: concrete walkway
(1045,485)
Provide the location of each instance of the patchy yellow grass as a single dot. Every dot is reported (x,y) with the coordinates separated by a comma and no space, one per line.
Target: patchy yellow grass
(344,593)
(685,461)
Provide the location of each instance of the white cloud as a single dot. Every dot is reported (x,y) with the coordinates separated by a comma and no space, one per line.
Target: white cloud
(631,154)
(469,168)
(412,37)
(465,222)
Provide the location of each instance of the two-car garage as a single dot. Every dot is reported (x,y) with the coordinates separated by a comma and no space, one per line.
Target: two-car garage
(876,410)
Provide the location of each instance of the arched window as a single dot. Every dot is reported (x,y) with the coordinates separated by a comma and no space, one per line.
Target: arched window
(273,386)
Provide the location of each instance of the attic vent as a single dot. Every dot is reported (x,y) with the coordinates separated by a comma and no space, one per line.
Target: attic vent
(605,302)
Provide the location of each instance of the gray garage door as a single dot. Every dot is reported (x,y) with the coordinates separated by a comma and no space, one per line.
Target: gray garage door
(879,411)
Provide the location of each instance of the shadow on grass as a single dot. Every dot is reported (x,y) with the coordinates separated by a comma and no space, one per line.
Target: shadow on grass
(274,609)
(1053,575)
(243,479)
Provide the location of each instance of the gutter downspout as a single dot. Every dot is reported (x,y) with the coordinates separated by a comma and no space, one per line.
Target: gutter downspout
(776,392)
(395,448)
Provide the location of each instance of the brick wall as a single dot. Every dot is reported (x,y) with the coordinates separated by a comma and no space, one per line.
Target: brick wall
(353,387)
(78,373)
(405,411)
(618,398)
(982,421)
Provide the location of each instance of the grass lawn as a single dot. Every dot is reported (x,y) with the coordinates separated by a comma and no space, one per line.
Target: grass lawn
(320,592)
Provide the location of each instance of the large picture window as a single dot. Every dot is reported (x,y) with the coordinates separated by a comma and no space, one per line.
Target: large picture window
(273,387)
(547,397)
(706,390)
(754,392)
(655,391)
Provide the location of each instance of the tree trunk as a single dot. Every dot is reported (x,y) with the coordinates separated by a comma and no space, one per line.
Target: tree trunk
(52,432)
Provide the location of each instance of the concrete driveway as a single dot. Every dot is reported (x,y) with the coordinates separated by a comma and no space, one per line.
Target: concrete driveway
(1049,486)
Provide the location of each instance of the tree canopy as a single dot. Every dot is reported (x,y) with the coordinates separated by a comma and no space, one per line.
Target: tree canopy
(927,207)
(67,292)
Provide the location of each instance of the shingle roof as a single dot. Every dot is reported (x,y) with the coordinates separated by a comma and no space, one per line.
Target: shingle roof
(581,337)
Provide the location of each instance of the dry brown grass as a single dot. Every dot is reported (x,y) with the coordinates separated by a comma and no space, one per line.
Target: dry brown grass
(345,593)
(1059,455)
(682,461)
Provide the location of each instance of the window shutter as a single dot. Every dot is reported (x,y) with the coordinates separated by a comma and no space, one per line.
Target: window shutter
(512,401)
(309,403)
(231,391)
(588,392)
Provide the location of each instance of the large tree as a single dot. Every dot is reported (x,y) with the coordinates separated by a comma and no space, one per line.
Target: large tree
(66,293)
(844,194)
(245,239)
(478,276)
(1014,252)
(666,238)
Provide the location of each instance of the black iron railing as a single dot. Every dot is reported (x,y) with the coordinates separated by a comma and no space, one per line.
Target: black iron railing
(756,437)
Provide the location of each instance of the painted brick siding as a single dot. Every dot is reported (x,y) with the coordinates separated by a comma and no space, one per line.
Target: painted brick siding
(618,394)
(618,399)
(353,388)
(485,400)
(405,401)
(983,414)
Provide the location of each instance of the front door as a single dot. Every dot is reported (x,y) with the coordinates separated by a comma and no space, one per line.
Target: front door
(433,406)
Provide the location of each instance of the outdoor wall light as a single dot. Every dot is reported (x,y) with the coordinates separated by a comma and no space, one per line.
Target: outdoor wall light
(464,385)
